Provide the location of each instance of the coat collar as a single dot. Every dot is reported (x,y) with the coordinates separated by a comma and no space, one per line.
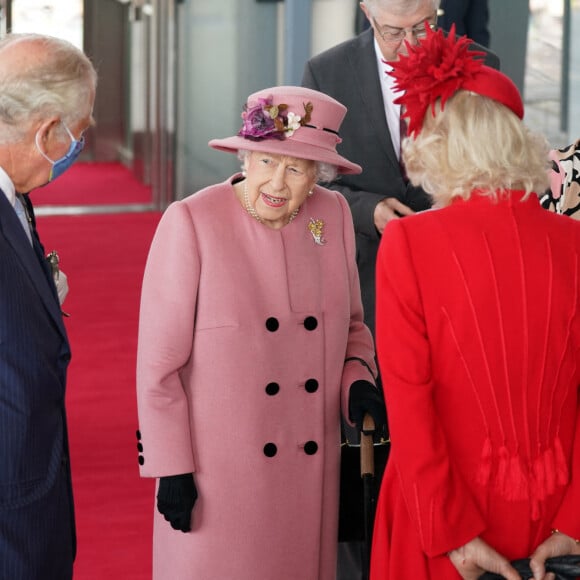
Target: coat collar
(368,84)
(511,197)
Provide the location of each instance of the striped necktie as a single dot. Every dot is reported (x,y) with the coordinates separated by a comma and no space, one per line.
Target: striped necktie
(22,216)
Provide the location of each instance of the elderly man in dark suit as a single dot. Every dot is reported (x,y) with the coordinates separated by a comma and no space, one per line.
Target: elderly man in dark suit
(355,73)
(47,89)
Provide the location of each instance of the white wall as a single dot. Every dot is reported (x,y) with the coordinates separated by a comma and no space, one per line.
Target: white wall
(332,22)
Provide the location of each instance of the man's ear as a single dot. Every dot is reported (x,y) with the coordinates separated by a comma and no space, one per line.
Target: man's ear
(363,7)
(46,133)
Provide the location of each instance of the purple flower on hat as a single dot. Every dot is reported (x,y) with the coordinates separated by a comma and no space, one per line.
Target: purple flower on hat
(268,121)
(257,123)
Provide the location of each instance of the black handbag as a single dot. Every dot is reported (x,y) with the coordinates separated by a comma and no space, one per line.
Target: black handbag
(564,567)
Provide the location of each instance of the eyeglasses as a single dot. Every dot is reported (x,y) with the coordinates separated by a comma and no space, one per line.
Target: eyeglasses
(392,34)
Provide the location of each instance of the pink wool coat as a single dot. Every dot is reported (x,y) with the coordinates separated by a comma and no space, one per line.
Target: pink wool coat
(478,340)
(241,374)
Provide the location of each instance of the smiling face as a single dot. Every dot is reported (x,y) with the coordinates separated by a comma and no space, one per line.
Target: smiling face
(277,186)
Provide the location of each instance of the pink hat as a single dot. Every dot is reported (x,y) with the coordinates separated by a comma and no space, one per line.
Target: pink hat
(293,121)
(438,67)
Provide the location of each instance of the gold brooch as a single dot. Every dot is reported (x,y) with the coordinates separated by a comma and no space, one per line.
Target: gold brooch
(316,228)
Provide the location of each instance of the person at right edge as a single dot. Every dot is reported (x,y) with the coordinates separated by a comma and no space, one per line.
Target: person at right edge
(478,337)
(355,74)
(471,17)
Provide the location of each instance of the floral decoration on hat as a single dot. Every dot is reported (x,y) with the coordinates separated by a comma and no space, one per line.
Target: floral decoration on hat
(436,68)
(266,120)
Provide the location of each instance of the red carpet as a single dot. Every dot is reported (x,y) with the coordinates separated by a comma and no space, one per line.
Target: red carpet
(104,257)
(93,184)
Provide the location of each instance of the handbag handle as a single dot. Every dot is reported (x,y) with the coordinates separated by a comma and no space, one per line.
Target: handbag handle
(367,456)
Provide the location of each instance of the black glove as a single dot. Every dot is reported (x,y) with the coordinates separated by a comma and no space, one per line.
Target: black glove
(175,500)
(365,398)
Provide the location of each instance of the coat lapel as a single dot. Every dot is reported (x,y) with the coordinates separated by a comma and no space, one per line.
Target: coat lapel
(364,66)
(32,260)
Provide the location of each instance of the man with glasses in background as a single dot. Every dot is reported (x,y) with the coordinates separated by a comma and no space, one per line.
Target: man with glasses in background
(355,73)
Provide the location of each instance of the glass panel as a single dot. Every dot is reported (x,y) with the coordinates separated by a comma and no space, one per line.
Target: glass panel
(227,49)
(543,79)
(60,18)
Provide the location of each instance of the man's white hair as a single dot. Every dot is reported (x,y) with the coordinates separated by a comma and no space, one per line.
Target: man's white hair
(398,7)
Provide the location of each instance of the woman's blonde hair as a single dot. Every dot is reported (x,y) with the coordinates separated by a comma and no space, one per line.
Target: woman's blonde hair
(475,143)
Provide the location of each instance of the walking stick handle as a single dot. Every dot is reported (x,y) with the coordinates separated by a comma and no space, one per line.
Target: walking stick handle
(367,457)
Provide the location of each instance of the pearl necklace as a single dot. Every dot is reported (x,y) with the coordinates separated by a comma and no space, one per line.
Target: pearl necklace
(252,211)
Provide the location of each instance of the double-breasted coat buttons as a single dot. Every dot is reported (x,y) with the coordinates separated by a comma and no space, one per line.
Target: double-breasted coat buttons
(311,386)
(310,447)
(273,324)
(272,389)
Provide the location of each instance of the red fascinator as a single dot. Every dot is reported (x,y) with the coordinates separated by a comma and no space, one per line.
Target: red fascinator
(438,67)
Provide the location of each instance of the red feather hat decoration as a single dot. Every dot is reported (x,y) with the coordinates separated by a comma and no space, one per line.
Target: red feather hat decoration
(437,67)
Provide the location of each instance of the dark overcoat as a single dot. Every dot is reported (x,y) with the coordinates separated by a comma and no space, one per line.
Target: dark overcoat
(37,537)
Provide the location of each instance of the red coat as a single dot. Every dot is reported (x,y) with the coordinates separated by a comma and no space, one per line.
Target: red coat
(478,340)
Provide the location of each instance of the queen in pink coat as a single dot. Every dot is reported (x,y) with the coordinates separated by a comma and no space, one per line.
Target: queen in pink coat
(251,342)
(478,338)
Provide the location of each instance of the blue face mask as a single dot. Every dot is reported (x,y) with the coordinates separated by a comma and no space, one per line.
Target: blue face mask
(61,165)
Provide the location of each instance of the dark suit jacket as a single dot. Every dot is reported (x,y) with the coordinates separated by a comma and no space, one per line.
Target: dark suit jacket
(470,17)
(348,73)
(36,506)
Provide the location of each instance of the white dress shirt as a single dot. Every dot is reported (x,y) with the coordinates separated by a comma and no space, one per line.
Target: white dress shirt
(7,187)
(392,111)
